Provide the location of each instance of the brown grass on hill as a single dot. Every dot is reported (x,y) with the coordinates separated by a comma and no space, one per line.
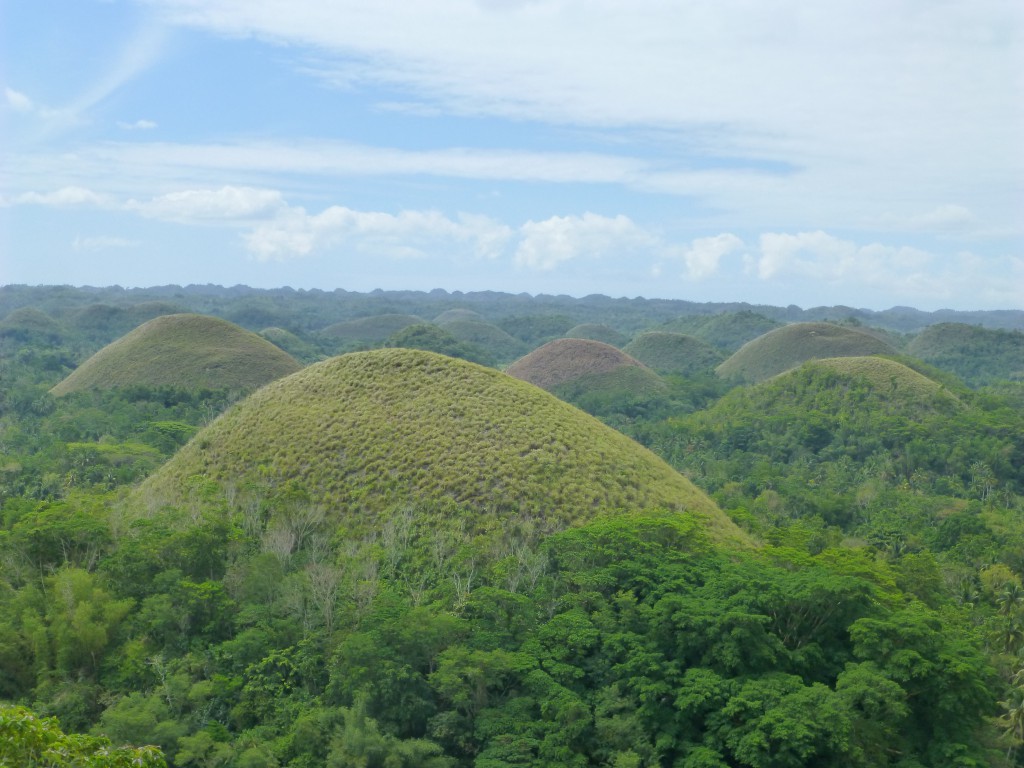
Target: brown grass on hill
(564,360)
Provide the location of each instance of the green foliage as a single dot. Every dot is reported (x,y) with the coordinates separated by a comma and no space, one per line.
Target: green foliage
(30,741)
(978,356)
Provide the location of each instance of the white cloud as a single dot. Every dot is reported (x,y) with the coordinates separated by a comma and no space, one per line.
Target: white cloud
(545,244)
(703,255)
(18,101)
(102,243)
(408,234)
(65,196)
(945,217)
(225,204)
(820,256)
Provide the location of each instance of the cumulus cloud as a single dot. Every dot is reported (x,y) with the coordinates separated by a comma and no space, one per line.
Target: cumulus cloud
(224,204)
(821,256)
(545,244)
(703,255)
(408,234)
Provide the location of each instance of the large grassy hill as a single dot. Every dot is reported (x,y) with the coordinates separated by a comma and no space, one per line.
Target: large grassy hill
(977,355)
(673,353)
(186,351)
(787,347)
(361,433)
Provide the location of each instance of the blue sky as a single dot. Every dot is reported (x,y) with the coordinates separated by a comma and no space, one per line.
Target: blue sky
(864,153)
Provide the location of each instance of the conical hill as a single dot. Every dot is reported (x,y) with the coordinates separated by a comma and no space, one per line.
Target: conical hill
(673,353)
(187,351)
(787,347)
(565,360)
(365,432)
(371,330)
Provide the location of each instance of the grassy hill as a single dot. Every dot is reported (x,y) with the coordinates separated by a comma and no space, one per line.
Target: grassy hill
(597,332)
(564,360)
(787,347)
(449,315)
(187,351)
(977,355)
(29,323)
(366,431)
(673,353)
(501,347)
(370,330)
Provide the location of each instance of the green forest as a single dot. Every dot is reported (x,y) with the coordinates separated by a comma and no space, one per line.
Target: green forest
(297,529)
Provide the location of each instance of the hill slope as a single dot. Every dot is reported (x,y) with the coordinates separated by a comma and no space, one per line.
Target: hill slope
(365,431)
(787,347)
(188,351)
(374,330)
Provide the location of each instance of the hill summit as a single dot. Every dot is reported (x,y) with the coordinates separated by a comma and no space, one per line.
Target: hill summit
(184,350)
(365,432)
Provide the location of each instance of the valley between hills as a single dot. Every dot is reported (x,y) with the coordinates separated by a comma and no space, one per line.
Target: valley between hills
(293,529)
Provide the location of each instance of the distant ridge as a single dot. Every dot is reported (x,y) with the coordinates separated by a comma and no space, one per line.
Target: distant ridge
(787,347)
(365,431)
(184,350)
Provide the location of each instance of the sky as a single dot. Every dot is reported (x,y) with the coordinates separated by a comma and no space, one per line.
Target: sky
(867,153)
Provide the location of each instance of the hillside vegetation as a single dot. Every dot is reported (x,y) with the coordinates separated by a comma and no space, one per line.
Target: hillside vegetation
(400,560)
(187,351)
(791,345)
(365,431)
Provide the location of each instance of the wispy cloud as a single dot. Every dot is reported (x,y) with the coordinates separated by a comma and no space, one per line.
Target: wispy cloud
(63,197)
(18,101)
(103,243)
(138,125)
(221,205)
